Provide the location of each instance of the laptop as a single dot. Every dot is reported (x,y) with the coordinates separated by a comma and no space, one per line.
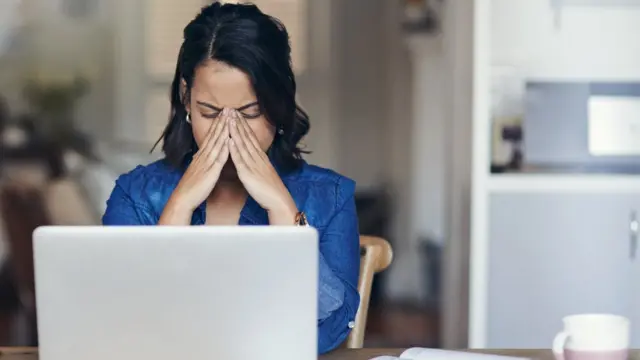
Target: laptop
(167,293)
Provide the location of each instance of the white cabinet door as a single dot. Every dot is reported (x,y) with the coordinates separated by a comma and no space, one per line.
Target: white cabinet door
(634,235)
(551,255)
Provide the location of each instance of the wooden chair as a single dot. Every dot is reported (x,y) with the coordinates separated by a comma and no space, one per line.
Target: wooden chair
(376,255)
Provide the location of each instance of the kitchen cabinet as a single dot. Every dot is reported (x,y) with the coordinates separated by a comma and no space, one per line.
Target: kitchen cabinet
(554,254)
(555,239)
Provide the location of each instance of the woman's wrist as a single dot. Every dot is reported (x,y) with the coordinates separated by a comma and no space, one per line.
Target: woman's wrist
(284,214)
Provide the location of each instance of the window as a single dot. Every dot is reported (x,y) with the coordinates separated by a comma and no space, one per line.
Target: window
(293,14)
(164,25)
(167,19)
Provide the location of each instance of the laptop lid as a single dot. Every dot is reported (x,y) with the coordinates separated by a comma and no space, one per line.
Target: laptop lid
(165,293)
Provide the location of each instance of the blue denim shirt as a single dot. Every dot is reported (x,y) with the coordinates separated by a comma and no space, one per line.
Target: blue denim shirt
(326,198)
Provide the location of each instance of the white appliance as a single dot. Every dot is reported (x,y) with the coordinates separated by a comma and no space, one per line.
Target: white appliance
(582,125)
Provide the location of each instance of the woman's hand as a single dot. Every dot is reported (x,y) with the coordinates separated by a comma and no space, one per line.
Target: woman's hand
(201,176)
(257,174)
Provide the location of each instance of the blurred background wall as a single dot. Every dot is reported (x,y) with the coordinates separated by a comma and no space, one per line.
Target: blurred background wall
(389,108)
(439,109)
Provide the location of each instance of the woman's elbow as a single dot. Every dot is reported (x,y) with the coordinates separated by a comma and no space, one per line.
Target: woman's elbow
(334,330)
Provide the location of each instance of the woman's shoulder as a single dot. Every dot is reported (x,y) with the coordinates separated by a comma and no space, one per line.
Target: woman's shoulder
(319,177)
(149,178)
(320,191)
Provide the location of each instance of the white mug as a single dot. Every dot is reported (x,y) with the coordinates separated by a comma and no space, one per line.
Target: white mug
(592,337)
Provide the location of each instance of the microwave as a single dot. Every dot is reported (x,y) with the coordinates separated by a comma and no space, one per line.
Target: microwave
(586,125)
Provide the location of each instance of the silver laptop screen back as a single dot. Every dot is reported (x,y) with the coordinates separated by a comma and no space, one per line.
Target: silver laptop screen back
(176,292)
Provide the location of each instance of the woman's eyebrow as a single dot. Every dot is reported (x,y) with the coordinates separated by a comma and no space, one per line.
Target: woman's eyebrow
(243,107)
(209,106)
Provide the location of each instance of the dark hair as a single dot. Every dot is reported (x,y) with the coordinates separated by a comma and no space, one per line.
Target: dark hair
(243,37)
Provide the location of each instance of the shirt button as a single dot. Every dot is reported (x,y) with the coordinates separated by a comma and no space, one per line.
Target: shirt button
(351,324)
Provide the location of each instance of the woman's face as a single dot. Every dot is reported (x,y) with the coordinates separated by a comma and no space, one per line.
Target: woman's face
(216,86)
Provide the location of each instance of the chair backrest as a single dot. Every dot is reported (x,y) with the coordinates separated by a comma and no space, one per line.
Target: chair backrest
(376,255)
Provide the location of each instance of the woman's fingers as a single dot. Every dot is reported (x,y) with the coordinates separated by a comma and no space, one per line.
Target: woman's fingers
(220,137)
(236,157)
(222,151)
(217,157)
(209,136)
(210,152)
(220,125)
(249,135)
(240,142)
(249,139)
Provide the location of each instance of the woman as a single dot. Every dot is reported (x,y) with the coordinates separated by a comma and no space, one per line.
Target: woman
(232,155)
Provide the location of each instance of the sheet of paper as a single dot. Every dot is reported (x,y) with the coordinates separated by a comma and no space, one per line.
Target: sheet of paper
(438,354)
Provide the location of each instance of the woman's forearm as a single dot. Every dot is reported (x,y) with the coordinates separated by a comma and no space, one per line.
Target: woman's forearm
(330,290)
(337,307)
(175,213)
